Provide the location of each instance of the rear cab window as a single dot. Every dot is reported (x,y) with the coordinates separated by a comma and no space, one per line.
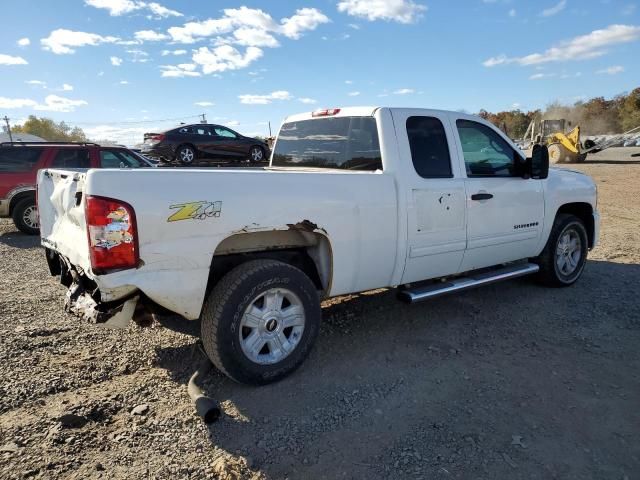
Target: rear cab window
(347,143)
(429,147)
(19,159)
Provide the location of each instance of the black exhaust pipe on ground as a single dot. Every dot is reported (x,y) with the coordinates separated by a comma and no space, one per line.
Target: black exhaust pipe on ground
(206,408)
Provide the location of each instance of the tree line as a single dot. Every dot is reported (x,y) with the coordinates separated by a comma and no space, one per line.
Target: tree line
(596,116)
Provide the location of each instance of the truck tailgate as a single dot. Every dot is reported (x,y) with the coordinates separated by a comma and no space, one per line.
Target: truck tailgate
(61,210)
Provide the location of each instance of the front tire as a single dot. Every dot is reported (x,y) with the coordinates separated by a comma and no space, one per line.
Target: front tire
(260,321)
(565,254)
(25,216)
(186,155)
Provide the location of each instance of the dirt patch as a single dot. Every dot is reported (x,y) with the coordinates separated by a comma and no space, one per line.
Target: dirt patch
(509,381)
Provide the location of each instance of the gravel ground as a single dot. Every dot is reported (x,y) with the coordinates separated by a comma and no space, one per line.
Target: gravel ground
(509,381)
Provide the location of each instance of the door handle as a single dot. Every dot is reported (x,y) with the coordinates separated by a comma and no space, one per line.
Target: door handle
(481,196)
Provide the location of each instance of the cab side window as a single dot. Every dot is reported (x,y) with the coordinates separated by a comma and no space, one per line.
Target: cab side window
(486,154)
(223,132)
(429,147)
(71,158)
(118,159)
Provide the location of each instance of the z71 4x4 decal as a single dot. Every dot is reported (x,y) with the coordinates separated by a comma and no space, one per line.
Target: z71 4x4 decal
(195,211)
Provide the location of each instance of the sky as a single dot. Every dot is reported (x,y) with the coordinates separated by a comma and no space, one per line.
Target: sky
(119,68)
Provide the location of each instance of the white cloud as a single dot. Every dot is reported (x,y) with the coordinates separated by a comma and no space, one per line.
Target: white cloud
(611,70)
(115,61)
(164,53)
(150,36)
(117,8)
(224,57)
(61,41)
(404,91)
(52,103)
(11,103)
(354,26)
(124,82)
(349,82)
(138,56)
(540,76)
(253,23)
(39,83)
(304,19)
(246,27)
(264,99)
(557,8)
(233,123)
(10,60)
(512,12)
(24,42)
(180,71)
(66,87)
(353,94)
(308,101)
(204,104)
(402,11)
(587,46)
(162,12)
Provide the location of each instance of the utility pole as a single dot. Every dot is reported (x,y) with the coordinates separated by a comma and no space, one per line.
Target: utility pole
(270,129)
(204,118)
(6,119)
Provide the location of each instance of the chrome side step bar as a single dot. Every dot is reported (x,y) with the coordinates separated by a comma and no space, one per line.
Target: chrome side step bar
(420,293)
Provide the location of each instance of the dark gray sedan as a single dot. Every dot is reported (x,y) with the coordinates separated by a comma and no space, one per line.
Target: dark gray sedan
(191,144)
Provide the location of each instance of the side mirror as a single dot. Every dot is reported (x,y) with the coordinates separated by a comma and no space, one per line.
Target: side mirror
(538,164)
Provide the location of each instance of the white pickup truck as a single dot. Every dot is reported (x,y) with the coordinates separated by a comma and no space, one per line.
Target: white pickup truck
(354,199)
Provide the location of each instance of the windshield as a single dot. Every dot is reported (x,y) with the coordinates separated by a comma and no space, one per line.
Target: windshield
(349,143)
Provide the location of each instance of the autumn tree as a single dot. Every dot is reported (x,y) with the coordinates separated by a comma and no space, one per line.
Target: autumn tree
(49,130)
(630,111)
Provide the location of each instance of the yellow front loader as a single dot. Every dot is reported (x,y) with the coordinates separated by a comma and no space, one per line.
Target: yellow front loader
(563,147)
(566,148)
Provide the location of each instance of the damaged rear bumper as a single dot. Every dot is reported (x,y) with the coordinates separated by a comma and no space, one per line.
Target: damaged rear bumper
(81,303)
(85,300)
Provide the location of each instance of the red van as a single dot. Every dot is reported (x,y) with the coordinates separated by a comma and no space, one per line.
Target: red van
(20,162)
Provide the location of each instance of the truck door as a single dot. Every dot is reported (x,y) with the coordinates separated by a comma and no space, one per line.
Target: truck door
(435,194)
(505,211)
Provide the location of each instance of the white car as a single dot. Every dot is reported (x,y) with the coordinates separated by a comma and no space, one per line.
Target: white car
(354,199)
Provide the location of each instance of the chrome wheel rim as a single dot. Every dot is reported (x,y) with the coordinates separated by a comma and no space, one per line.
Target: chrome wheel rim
(30,217)
(568,252)
(256,154)
(186,155)
(272,326)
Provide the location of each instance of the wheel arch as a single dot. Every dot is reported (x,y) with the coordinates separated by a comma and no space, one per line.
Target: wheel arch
(305,248)
(186,144)
(18,197)
(584,211)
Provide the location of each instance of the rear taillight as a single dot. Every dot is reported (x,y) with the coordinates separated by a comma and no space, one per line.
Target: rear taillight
(156,138)
(113,235)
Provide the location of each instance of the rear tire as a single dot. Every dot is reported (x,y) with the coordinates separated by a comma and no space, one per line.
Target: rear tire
(25,216)
(256,155)
(186,155)
(260,321)
(565,254)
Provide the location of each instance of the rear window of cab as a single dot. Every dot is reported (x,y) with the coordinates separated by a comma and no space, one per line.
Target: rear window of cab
(347,143)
